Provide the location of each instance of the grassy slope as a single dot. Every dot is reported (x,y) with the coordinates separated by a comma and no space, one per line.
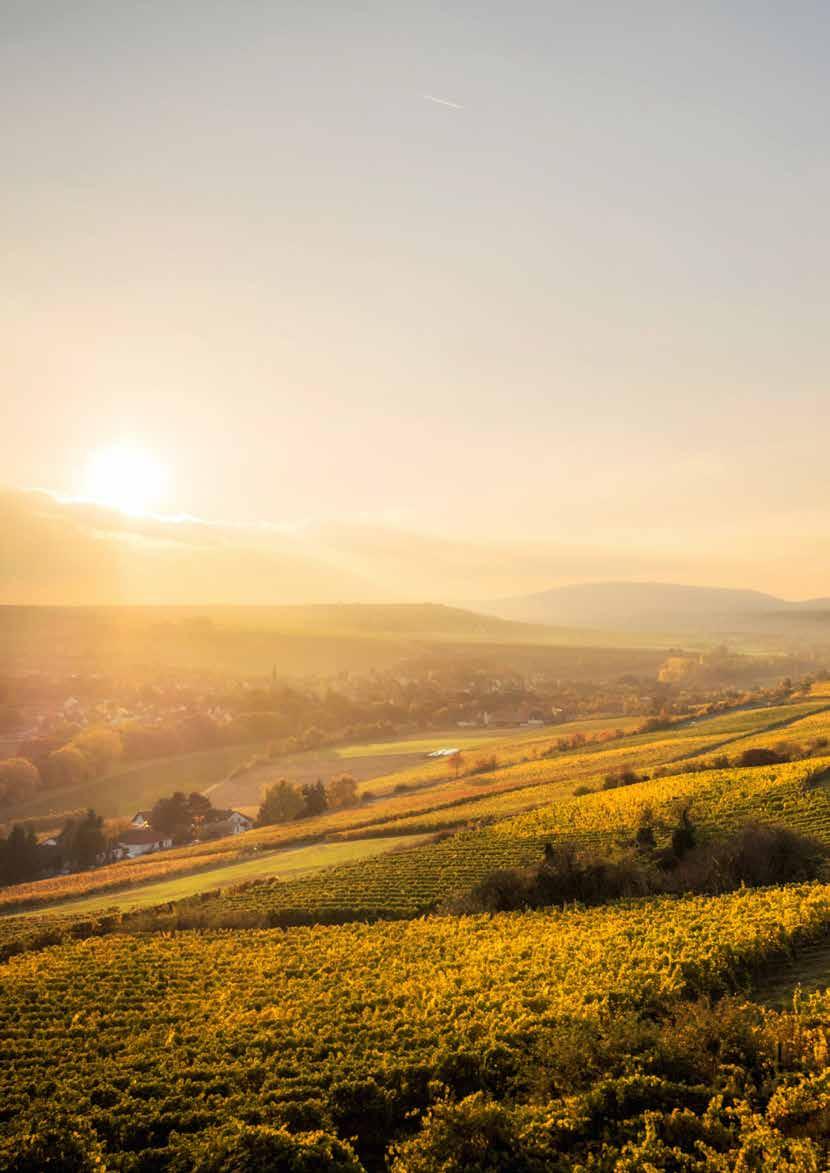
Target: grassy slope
(287,864)
(380,766)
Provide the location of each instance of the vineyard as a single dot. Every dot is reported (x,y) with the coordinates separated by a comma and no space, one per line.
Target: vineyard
(528,771)
(412,882)
(344,1021)
(353,1028)
(492,814)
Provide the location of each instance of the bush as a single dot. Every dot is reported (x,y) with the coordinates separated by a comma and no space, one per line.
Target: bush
(474,1136)
(257,1148)
(565,876)
(755,856)
(762,757)
(621,777)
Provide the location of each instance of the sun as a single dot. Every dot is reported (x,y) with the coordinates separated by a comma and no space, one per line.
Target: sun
(125,477)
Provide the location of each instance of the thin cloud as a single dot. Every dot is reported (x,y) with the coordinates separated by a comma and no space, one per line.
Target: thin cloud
(442,102)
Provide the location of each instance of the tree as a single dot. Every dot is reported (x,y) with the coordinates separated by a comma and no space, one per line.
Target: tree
(199,806)
(18,777)
(342,792)
(66,766)
(314,799)
(456,761)
(83,841)
(172,816)
(102,748)
(281,803)
(19,859)
(683,837)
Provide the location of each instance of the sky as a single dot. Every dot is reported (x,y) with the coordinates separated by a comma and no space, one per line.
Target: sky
(543,273)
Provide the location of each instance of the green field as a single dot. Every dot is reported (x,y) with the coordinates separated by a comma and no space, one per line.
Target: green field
(466,739)
(287,864)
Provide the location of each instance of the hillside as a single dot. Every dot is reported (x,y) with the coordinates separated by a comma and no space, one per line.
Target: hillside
(305,640)
(660,607)
(250,1028)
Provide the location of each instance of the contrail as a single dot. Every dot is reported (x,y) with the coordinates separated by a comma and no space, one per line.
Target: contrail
(443,102)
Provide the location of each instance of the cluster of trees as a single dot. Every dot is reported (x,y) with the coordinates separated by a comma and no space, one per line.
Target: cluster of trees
(754,856)
(52,762)
(181,816)
(82,843)
(18,778)
(283,802)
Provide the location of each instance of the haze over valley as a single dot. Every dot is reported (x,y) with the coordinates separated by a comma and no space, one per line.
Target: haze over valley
(414,587)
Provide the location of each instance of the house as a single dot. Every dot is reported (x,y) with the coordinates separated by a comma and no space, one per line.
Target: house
(141,819)
(240,822)
(141,841)
(219,823)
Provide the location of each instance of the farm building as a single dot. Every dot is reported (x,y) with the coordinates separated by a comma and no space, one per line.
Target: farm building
(226,823)
(141,841)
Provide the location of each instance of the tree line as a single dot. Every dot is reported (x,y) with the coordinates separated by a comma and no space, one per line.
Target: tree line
(81,844)
(283,801)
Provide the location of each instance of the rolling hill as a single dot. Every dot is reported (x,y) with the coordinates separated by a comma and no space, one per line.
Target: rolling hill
(652,606)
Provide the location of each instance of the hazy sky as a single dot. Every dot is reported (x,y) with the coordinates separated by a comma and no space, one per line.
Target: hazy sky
(587,299)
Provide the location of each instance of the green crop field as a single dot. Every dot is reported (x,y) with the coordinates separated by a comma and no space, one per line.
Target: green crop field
(288,863)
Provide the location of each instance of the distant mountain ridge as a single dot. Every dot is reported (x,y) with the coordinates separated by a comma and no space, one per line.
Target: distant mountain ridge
(649,606)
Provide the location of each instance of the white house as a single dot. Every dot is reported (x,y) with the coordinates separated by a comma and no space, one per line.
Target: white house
(140,819)
(226,823)
(141,841)
(239,822)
